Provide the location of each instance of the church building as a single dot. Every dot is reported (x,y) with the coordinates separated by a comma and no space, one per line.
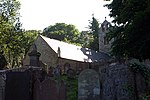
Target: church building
(68,56)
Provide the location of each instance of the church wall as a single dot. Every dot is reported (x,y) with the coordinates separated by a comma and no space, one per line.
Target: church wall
(77,66)
(51,59)
(48,56)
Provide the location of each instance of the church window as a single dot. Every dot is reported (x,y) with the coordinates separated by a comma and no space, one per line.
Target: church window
(103,28)
(106,41)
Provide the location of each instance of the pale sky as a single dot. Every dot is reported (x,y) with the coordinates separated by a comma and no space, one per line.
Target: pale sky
(39,14)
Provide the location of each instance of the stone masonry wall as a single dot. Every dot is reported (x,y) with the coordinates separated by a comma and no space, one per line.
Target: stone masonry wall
(48,56)
(118,82)
(51,59)
(75,65)
(115,81)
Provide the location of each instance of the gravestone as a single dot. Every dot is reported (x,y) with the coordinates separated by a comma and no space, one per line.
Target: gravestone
(71,73)
(49,90)
(62,91)
(18,86)
(88,85)
(44,90)
(36,90)
(117,83)
(34,57)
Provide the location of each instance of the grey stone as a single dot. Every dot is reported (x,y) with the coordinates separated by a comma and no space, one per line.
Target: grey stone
(88,85)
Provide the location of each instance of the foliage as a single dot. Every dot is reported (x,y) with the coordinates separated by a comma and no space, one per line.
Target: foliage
(3,61)
(85,38)
(94,30)
(14,41)
(29,38)
(72,87)
(62,32)
(145,97)
(130,89)
(141,68)
(10,32)
(131,30)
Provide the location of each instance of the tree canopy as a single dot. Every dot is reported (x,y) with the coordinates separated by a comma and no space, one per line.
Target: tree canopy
(10,30)
(85,38)
(14,41)
(62,32)
(132,28)
(94,30)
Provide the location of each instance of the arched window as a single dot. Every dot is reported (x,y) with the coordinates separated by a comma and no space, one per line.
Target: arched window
(106,41)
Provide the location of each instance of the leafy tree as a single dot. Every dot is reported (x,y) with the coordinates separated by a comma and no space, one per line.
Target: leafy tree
(94,30)
(9,29)
(132,28)
(85,38)
(3,61)
(62,32)
(29,38)
(14,41)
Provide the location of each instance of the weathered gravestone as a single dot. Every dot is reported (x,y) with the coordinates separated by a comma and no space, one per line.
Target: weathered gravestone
(117,82)
(62,91)
(45,90)
(88,85)
(49,90)
(18,85)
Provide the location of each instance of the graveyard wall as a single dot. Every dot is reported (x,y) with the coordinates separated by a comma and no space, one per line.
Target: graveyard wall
(118,82)
(30,84)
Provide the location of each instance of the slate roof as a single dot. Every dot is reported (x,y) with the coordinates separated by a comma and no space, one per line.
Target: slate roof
(73,52)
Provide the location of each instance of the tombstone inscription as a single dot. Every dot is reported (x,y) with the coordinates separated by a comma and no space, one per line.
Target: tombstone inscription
(88,85)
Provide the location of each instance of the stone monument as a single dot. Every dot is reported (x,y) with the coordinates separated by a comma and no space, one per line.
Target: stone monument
(88,85)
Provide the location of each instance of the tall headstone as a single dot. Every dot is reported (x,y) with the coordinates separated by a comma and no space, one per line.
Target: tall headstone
(62,91)
(34,57)
(88,85)
(49,90)
(18,86)
(117,82)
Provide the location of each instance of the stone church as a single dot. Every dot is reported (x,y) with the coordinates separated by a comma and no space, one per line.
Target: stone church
(68,56)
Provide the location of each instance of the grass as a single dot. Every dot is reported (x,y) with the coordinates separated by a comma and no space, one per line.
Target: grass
(72,87)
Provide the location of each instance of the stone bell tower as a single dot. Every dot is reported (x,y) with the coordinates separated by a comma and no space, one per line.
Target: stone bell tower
(104,44)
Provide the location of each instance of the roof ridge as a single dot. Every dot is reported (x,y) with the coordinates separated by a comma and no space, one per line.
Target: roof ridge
(61,41)
(73,52)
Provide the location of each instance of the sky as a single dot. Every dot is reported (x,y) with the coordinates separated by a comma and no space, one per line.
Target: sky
(39,14)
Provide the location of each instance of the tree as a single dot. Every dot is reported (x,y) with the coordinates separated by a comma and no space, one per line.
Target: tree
(94,30)
(131,30)
(28,39)
(85,38)
(62,32)
(14,41)
(10,29)
(3,61)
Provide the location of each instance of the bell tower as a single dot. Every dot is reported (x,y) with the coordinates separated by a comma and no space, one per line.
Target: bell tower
(104,44)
